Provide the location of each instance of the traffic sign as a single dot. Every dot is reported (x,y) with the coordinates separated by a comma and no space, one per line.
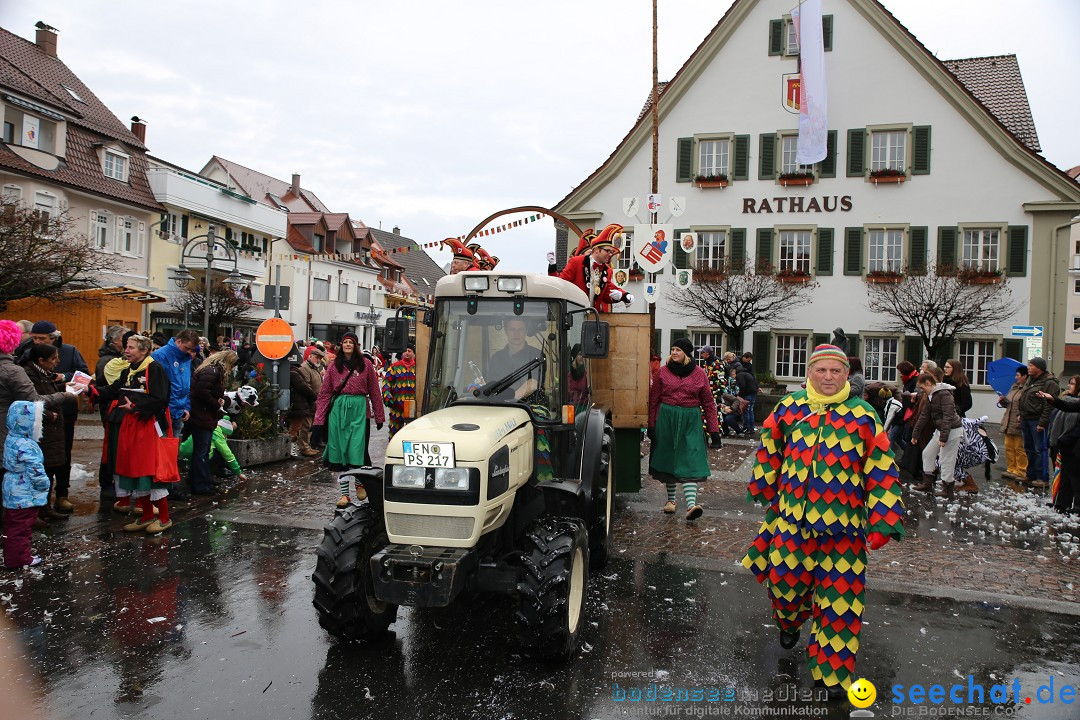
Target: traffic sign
(1027,330)
(274,338)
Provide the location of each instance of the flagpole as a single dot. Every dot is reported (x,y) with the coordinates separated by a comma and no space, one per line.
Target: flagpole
(655,185)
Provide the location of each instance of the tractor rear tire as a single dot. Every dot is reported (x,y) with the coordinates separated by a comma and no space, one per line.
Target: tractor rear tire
(553,587)
(344,591)
(603,494)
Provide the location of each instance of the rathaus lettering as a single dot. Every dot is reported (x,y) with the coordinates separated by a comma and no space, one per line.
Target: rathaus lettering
(797,204)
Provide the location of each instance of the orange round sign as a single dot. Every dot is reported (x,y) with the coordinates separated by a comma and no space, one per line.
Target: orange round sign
(274,338)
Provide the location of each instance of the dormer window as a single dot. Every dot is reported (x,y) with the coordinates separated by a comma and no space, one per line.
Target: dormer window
(116,165)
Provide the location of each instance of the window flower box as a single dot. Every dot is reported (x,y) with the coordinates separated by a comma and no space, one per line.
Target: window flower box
(796,179)
(711,181)
(883,276)
(974,276)
(887,175)
(793,276)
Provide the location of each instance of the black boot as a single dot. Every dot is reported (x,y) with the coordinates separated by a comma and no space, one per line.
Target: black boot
(927,484)
(789,640)
(945,491)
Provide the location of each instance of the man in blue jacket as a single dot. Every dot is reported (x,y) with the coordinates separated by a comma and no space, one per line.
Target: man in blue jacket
(175,357)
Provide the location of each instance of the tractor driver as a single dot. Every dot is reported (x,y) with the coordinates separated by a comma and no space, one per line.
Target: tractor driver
(516,353)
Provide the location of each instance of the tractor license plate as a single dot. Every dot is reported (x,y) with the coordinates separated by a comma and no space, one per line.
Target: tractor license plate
(428,454)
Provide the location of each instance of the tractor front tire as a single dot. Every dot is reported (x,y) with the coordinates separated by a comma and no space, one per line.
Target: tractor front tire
(344,592)
(553,587)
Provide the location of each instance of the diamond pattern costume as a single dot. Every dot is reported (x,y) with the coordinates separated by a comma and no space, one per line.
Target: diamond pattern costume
(828,478)
(399,385)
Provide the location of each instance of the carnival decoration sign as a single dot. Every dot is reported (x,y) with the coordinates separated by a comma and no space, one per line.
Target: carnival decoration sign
(650,292)
(684,278)
(688,242)
(653,246)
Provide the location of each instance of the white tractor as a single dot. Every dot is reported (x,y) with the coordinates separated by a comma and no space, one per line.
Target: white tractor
(502,484)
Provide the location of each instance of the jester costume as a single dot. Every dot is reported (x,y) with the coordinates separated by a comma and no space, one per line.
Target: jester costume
(592,277)
(399,385)
(829,480)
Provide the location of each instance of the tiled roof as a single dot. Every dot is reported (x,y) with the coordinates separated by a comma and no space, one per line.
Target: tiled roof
(1074,172)
(423,272)
(996,82)
(260,186)
(26,70)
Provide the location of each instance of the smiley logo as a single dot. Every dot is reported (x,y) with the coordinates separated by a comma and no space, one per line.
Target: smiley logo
(862,693)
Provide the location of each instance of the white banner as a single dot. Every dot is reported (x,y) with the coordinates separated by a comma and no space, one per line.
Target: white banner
(813,100)
(31,130)
(650,292)
(653,246)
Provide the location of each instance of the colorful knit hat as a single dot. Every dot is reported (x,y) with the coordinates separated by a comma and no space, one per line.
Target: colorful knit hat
(828,352)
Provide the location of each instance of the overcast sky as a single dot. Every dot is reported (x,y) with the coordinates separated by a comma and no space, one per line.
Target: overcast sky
(433,115)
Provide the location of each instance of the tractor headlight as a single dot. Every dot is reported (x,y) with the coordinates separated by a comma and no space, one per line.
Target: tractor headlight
(409,477)
(510,284)
(452,478)
(476,283)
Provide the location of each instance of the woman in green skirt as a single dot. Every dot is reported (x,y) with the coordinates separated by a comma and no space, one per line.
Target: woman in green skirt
(341,412)
(678,398)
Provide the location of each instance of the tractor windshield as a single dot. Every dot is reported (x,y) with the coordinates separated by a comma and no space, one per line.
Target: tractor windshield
(496,356)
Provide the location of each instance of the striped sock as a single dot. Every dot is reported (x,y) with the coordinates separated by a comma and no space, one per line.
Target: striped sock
(343,483)
(690,493)
(670,491)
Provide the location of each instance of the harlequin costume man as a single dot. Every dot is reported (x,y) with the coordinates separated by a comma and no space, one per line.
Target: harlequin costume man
(591,269)
(399,386)
(464,259)
(484,260)
(828,480)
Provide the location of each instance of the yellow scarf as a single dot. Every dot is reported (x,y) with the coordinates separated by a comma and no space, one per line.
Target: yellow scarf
(113,368)
(135,371)
(819,402)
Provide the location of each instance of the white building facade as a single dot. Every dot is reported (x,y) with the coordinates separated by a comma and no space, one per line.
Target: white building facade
(970,189)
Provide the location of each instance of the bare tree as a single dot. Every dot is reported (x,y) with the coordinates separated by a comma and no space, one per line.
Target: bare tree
(942,303)
(44,258)
(227,306)
(736,297)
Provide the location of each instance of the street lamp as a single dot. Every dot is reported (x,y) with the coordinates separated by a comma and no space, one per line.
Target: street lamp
(182,276)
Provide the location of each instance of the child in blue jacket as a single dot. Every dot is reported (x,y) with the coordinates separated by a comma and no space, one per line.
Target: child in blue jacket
(26,486)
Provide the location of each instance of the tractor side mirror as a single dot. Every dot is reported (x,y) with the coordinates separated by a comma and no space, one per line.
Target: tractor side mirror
(397,335)
(427,317)
(594,338)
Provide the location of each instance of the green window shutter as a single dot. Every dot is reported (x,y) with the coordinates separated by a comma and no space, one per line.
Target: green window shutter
(827,167)
(738,249)
(776,37)
(681,259)
(164,227)
(856,152)
(920,153)
(945,351)
(183,226)
(764,245)
(684,166)
(1016,255)
(946,248)
(657,337)
(763,359)
(741,170)
(853,239)
(854,350)
(1014,348)
(826,31)
(824,251)
(914,352)
(767,156)
(821,339)
(917,254)
(675,335)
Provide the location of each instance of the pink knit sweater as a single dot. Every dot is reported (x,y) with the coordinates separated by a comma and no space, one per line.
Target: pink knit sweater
(690,391)
(364,382)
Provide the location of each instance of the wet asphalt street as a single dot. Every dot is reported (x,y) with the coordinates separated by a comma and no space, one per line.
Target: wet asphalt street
(214,619)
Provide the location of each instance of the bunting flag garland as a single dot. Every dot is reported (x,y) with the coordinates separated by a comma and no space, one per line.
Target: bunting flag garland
(307,257)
